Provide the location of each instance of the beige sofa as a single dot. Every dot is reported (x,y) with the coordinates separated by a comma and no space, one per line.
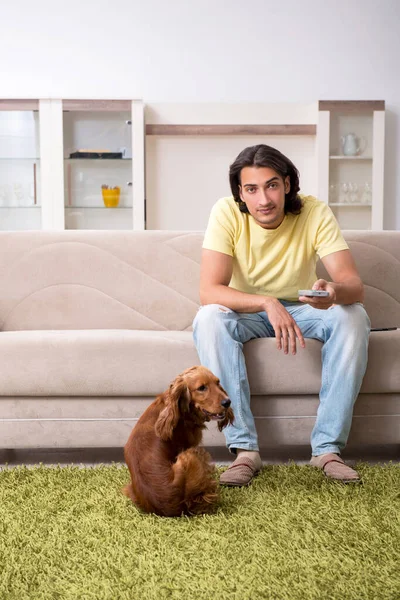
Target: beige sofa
(95,324)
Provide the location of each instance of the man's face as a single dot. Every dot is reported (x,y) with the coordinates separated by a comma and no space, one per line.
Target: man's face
(263,192)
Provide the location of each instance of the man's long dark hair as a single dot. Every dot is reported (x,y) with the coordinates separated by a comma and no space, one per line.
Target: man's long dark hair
(266,156)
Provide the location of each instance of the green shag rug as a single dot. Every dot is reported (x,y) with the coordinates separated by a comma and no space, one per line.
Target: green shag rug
(69,533)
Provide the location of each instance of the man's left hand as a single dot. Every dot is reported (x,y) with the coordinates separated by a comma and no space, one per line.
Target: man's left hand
(321,303)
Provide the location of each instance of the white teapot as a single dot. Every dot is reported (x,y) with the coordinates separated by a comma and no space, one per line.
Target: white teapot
(351,144)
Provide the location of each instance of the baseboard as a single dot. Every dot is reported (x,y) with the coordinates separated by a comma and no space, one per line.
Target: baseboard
(219,454)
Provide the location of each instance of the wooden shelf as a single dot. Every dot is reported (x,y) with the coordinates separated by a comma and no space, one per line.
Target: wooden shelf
(354,204)
(19,104)
(97,105)
(344,157)
(351,106)
(231,129)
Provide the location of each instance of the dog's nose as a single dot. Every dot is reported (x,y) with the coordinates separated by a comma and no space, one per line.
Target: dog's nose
(226,403)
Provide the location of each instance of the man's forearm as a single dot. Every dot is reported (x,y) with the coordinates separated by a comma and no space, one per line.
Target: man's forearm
(349,292)
(235,300)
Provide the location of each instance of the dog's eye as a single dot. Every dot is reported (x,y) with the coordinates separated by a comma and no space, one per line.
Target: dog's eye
(202,388)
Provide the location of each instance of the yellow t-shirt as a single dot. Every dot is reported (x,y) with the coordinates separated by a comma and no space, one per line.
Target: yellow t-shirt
(274,262)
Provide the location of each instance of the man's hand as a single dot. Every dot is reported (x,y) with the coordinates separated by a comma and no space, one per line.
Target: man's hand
(285,327)
(321,303)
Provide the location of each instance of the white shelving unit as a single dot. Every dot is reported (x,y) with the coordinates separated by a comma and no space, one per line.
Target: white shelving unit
(352,184)
(188,149)
(54,191)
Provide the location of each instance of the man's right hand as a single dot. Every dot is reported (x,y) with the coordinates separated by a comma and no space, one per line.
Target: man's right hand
(285,327)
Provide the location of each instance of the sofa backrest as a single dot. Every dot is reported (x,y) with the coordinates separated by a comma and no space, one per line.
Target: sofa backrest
(144,280)
(99,279)
(377,256)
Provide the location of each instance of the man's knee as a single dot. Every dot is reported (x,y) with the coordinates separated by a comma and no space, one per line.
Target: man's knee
(358,317)
(353,318)
(210,316)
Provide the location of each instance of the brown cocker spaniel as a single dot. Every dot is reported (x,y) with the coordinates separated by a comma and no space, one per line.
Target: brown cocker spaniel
(170,474)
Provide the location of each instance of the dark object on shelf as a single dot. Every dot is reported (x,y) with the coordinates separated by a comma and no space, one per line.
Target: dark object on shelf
(95,155)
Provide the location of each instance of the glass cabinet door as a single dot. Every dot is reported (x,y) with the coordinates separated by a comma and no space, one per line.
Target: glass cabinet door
(98,165)
(20,189)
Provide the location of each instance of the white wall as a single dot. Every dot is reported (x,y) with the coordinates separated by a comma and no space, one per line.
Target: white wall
(209,51)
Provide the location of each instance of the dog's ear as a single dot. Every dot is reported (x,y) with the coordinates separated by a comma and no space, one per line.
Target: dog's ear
(177,400)
(227,420)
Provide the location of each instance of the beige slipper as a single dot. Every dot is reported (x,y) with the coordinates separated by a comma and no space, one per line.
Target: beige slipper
(334,467)
(241,472)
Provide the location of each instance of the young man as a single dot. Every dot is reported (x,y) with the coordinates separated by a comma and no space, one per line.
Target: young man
(261,246)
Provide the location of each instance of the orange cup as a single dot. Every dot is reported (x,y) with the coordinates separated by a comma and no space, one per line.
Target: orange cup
(111,197)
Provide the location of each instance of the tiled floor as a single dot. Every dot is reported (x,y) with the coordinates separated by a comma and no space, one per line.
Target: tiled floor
(221,456)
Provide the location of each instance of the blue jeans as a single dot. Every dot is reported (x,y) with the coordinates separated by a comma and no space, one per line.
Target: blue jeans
(219,334)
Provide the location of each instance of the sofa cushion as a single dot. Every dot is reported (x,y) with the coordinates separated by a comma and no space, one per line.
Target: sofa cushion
(270,371)
(383,372)
(119,362)
(96,362)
